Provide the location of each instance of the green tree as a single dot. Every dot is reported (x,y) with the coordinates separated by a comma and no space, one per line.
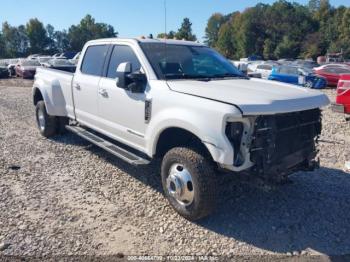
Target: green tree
(225,43)
(87,30)
(213,28)
(61,41)
(36,33)
(185,31)
(170,35)
(2,47)
(288,48)
(269,48)
(15,39)
(314,5)
(51,44)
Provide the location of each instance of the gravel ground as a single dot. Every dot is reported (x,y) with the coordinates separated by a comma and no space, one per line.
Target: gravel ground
(63,196)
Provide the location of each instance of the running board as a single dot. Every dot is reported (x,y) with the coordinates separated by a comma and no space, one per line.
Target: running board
(115,150)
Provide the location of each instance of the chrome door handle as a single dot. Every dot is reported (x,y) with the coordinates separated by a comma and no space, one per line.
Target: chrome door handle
(77,87)
(103,92)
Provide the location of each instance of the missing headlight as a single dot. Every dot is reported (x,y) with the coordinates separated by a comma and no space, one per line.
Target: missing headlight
(234,133)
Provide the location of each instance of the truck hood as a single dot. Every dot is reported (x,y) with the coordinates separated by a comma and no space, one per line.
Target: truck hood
(253,96)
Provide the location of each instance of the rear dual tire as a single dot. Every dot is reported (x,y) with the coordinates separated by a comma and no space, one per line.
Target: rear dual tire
(49,125)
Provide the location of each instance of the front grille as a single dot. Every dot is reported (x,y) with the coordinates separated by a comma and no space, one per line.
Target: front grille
(283,141)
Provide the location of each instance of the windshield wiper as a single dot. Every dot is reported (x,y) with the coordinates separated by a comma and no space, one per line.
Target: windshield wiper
(187,76)
(228,75)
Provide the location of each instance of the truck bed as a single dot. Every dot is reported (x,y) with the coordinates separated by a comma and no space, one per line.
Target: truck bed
(58,90)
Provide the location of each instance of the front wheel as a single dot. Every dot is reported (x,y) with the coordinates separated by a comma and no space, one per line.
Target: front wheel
(309,84)
(189,182)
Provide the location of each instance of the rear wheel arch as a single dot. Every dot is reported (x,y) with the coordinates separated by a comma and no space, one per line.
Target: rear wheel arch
(37,96)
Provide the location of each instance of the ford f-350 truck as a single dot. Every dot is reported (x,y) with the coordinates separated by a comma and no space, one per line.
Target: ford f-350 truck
(183,103)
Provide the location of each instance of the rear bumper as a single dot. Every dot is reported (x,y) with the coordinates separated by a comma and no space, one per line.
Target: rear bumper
(28,74)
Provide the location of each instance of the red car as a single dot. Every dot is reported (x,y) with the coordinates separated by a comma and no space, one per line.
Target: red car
(27,68)
(342,104)
(332,72)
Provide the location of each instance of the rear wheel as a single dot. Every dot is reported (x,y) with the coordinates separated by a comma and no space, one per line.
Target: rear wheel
(189,183)
(47,124)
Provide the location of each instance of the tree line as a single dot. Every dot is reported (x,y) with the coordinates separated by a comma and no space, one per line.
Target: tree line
(281,30)
(35,37)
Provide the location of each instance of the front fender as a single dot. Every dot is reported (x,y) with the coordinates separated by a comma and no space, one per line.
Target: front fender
(210,130)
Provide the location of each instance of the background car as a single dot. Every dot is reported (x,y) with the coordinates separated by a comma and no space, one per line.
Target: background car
(12,66)
(60,64)
(298,76)
(43,59)
(305,64)
(332,73)
(264,68)
(27,68)
(75,59)
(342,102)
(4,72)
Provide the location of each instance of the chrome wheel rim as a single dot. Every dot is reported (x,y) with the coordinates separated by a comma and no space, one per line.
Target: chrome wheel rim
(41,119)
(180,185)
(309,84)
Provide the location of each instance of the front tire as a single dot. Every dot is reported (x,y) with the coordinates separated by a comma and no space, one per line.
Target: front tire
(47,124)
(189,182)
(309,84)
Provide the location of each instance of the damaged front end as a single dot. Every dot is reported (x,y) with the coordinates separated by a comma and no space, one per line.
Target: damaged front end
(285,143)
(276,145)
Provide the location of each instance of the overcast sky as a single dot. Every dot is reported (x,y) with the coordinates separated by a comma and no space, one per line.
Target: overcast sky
(129,17)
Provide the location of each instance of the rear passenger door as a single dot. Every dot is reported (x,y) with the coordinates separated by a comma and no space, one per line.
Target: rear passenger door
(85,84)
(121,112)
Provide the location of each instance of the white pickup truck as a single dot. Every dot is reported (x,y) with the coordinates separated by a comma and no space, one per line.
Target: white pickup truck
(184,103)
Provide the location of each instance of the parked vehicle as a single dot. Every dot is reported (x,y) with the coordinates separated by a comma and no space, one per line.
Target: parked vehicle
(297,76)
(60,64)
(44,59)
(4,72)
(33,56)
(264,69)
(11,67)
(27,68)
(75,59)
(342,103)
(305,64)
(184,103)
(332,73)
(65,55)
(69,54)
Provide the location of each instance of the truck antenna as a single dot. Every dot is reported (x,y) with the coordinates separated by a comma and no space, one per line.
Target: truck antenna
(165,22)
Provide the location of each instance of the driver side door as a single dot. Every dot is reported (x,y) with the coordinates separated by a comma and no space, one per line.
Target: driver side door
(121,112)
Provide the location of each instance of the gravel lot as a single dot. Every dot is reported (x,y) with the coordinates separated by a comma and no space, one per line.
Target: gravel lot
(64,196)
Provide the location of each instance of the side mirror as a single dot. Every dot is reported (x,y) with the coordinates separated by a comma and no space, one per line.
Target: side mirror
(122,71)
(128,80)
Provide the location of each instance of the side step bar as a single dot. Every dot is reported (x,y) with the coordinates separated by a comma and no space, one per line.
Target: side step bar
(122,153)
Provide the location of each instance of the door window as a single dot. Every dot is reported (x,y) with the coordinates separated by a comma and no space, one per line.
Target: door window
(122,54)
(94,59)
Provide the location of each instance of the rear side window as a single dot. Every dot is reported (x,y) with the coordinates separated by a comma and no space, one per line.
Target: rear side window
(122,54)
(94,59)
(265,67)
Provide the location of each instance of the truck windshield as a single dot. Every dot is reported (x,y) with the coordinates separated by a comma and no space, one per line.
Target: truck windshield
(171,61)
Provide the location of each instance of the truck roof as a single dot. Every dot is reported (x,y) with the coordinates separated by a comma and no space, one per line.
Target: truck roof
(147,40)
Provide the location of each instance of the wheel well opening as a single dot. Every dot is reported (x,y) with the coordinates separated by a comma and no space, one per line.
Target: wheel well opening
(37,96)
(178,137)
